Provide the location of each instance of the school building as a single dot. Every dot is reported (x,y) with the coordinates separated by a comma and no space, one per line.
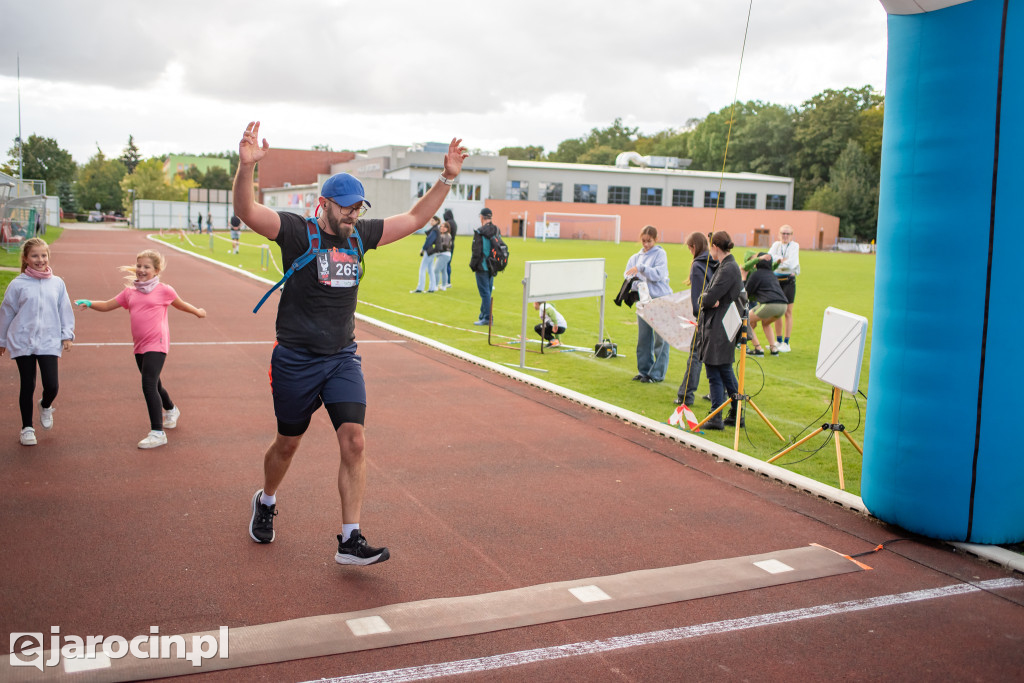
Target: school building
(579,201)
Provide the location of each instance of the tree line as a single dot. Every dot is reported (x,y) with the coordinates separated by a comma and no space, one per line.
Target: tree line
(831,146)
(112,183)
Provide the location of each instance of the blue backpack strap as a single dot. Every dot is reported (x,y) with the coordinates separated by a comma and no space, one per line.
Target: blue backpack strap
(313,233)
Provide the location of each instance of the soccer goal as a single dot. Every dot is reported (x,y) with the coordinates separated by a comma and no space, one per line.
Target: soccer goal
(579,226)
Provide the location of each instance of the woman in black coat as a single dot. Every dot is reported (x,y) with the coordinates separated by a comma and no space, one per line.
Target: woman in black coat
(718,348)
(701,270)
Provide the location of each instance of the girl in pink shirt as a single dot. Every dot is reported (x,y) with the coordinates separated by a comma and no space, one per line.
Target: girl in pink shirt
(147,299)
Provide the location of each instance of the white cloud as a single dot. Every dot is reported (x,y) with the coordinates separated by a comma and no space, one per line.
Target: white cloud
(187,76)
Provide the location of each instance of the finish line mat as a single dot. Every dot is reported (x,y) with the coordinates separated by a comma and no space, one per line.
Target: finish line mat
(434,619)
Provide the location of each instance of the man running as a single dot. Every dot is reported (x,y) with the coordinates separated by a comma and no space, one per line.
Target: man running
(315,361)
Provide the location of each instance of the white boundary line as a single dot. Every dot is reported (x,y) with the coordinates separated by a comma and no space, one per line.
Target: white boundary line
(992,553)
(504,661)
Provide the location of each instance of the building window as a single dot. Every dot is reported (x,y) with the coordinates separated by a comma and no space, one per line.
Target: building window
(776,202)
(550,192)
(650,196)
(711,197)
(585,194)
(468,193)
(746,200)
(682,197)
(517,189)
(422,188)
(618,194)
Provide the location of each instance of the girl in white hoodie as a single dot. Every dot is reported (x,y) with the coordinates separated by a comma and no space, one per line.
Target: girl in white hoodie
(37,323)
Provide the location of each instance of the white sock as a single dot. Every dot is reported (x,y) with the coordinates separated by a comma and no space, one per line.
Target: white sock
(268,500)
(346,531)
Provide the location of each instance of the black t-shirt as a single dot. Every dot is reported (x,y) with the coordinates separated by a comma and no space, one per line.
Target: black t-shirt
(312,316)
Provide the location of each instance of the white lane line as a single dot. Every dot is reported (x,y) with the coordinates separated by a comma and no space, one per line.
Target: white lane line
(420,673)
(231,343)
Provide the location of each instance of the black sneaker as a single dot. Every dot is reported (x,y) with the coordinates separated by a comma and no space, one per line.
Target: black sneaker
(356,551)
(261,526)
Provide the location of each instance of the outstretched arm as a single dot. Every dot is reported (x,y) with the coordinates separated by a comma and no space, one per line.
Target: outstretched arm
(101,306)
(261,219)
(183,305)
(397,227)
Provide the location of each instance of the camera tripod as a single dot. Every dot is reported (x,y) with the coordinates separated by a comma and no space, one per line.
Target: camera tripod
(740,397)
(833,427)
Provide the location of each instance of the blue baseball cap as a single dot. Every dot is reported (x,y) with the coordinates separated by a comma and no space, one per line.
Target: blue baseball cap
(344,189)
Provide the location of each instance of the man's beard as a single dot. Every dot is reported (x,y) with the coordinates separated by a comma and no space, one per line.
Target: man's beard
(342,230)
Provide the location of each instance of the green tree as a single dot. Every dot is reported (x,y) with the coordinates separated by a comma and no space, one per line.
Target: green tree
(870,137)
(194,174)
(707,142)
(42,159)
(603,155)
(666,143)
(762,140)
(824,125)
(529,153)
(99,182)
(130,156)
(568,151)
(216,178)
(851,194)
(616,136)
(149,182)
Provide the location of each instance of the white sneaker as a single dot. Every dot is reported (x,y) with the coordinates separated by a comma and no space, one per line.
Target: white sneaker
(171,418)
(28,436)
(784,347)
(45,416)
(153,439)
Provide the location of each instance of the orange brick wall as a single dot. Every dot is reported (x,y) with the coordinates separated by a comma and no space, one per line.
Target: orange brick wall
(811,229)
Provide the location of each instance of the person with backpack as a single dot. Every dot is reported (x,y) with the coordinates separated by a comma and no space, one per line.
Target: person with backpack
(485,239)
(316,360)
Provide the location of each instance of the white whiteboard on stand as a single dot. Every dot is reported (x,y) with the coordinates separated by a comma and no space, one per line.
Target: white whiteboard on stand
(841,351)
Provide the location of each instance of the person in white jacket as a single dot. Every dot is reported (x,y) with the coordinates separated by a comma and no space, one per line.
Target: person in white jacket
(650,265)
(37,323)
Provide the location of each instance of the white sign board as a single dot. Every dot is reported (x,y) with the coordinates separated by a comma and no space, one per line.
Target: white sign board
(841,350)
(564,279)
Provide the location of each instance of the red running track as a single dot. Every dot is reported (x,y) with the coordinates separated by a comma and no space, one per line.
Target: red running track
(102,538)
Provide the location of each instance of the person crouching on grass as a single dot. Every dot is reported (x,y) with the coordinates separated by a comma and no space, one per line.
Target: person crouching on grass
(147,300)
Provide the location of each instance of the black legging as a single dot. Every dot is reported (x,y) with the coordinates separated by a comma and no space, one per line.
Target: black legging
(150,364)
(27,371)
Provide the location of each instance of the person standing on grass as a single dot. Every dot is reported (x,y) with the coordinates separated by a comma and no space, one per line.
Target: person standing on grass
(37,323)
(718,348)
(316,361)
(786,253)
(236,226)
(428,257)
(701,269)
(650,265)
(478,264)
(147,300)
(443,264)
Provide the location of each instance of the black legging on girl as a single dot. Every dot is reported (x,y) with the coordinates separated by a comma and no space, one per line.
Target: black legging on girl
(150,364)
(27,372)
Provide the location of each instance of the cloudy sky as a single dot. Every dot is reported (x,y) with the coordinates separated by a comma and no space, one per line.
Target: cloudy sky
(186,76)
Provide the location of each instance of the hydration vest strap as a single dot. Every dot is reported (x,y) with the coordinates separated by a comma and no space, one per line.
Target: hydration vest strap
(313,233)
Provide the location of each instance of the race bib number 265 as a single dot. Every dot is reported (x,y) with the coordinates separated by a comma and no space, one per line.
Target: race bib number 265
(337,269)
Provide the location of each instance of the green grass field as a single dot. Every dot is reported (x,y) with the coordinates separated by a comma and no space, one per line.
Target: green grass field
(784,387)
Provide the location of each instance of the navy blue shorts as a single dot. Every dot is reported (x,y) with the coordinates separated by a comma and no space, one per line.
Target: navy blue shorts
(301,381)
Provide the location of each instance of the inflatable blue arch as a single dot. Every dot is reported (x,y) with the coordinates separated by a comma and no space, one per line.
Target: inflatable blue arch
(942,453)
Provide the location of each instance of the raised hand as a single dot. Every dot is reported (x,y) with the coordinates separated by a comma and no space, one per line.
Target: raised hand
(452,160)
(249,150)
